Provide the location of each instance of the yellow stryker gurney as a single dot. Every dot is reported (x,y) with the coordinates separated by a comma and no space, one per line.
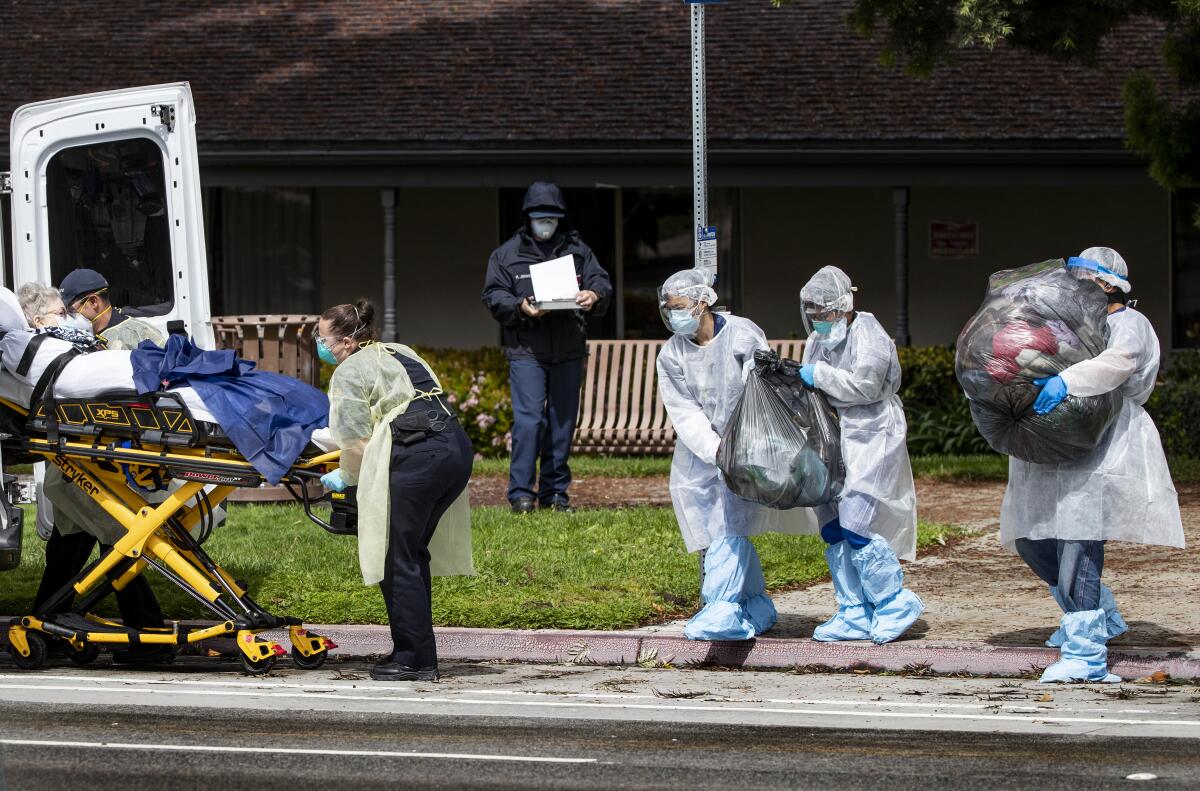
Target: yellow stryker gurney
(116,448)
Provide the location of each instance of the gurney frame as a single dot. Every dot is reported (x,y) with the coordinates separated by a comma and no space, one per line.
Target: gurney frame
(157,535)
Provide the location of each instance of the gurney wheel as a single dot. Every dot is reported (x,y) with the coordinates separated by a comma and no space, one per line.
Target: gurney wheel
(308,662)
(37,652)
(260,668)
(86,655)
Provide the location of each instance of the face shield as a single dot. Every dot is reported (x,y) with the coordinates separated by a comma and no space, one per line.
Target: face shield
(681,301)
(1090,269)
(825,302)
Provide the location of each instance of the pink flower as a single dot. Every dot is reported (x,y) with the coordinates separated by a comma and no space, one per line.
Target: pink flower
(452,399)
(471,403)
(484,420)
(478,457)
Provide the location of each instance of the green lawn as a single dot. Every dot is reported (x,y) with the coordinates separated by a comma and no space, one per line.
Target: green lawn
(590,570)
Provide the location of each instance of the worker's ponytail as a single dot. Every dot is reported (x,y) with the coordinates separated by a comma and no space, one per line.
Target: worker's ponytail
(355,321)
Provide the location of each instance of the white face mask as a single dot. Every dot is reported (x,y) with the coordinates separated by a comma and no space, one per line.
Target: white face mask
(544,228)
(76,321)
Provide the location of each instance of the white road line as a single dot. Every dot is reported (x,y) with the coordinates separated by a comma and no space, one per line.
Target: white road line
(213,748)
(804,712)
(130,679)
(385,694)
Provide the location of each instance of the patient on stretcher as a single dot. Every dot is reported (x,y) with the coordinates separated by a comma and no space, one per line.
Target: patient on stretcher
(268,417)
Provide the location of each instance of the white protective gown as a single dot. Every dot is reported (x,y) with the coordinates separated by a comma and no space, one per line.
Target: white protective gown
(1122,491)
(861,376)
(700,386)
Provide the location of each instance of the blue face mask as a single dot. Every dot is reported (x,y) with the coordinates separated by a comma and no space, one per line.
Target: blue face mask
(822,327)
(324,354)
(683,322)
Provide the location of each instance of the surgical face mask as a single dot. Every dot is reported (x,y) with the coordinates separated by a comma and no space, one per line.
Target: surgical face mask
(324,354)
(822,327)
(683,322)
(76,321)
(544,228)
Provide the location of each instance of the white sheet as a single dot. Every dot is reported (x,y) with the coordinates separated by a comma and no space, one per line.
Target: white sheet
(90,375)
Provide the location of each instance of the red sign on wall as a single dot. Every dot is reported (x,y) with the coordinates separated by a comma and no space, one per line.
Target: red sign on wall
(953,239)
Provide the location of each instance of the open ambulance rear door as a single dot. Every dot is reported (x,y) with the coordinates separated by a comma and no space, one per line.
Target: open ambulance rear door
(110,181)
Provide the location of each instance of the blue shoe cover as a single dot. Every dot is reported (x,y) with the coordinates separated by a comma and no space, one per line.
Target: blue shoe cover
(893,617)
(1084,657)
(736,605)
(852,621)
(895,607)
(1114,624)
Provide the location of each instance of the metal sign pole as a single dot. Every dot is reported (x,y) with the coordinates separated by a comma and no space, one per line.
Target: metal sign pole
(706,237)
(699,130)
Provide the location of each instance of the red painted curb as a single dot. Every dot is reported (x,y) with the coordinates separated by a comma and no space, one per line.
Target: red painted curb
(628,648)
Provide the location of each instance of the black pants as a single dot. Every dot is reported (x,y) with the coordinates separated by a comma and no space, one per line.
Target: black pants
(426,478)
(65,558)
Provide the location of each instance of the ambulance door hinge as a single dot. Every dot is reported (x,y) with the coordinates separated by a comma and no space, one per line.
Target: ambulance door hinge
(165,113)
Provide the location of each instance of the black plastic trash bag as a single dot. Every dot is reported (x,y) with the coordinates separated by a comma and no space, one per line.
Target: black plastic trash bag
(782,447)
(1035,322)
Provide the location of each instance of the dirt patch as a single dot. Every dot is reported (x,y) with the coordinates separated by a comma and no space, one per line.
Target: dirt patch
(585,492)
(972,505)
(978,592)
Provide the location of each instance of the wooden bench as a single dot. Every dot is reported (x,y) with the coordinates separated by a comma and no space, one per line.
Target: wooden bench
(282,344)
(620,410)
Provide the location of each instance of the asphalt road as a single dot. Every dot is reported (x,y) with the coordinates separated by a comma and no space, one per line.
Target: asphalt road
(199,724)
(53,747)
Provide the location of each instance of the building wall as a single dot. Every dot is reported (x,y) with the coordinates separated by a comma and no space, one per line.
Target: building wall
(443,239)
(790,233)
(1019,226)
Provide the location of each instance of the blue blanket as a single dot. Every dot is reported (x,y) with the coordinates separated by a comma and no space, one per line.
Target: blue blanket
(269,417)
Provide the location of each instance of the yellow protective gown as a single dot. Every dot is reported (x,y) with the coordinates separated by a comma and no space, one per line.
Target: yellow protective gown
(368,391)
(129,333)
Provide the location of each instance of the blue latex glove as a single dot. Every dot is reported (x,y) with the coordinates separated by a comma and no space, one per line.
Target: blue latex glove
(334,481)
(1054,391)
(806,374)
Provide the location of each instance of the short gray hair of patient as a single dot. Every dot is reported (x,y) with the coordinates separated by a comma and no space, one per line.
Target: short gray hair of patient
(37,300)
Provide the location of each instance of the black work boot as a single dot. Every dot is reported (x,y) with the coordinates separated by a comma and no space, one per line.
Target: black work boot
(388,670)
(523,505)
(560,505)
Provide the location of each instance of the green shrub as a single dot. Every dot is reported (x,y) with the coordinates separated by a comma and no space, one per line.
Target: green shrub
(1175,406)
(476,384)
(939,417)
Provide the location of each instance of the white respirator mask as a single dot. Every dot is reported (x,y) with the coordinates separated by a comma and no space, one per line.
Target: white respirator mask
(543,228)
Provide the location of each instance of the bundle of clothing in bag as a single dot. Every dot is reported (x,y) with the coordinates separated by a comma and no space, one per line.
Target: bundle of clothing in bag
(1035,322)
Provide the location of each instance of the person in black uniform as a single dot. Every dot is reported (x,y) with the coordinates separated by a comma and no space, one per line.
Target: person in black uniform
(545,349)
(403,446)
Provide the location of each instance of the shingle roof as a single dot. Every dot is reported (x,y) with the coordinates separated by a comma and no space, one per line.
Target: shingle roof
(434,74)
